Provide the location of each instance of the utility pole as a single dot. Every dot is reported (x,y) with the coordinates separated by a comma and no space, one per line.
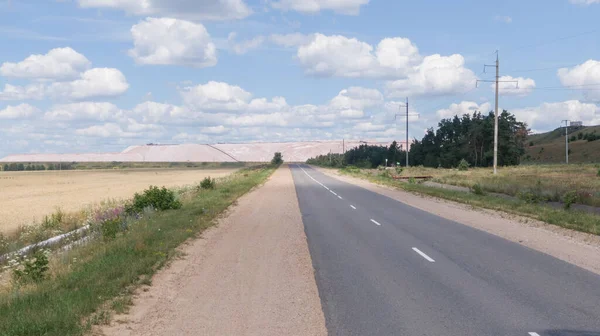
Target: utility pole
(497,81)
(406,116)
(566,141)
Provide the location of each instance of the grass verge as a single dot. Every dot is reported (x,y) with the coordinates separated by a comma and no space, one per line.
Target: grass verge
(570,219)
(87,280)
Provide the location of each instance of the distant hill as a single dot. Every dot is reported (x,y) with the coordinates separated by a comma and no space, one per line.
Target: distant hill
(549,147)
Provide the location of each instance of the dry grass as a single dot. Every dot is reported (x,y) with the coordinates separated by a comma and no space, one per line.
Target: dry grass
(551,182)
(29,196)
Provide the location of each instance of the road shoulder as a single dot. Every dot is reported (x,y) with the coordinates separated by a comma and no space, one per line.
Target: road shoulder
(252,274)
(578,248)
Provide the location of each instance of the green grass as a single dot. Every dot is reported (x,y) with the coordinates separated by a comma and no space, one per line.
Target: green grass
(550,182)
(82,293)
(571,219)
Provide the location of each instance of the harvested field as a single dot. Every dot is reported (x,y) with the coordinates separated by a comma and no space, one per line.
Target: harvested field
(29,196)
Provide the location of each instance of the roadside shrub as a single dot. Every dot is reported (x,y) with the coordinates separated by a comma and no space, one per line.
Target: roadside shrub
(34,269)
(530,197)
(110,228)
(399,170)
(380,168)
(208,183)
(463,165)
(598,173)
(412,180)
(386,173)
(155,197)
(570,198)
(277,159)
(477,189)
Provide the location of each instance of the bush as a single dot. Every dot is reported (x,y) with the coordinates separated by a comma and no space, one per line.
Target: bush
(570,198)
(463,165)
(380,168)
(530,197)
(352,169)
(277,159)
(412,180)
(34,269)
(530,143)
(208,183)
(399,170)
(110,228)
(477,189)
(598,173)
(155,197)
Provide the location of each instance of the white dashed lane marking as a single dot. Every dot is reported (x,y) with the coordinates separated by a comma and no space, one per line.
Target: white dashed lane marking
(424,255)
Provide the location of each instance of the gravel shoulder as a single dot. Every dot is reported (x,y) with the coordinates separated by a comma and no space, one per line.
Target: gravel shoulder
(575,247)
(252,274)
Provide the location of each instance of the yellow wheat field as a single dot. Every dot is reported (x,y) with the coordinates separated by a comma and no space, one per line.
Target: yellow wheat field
(26,197)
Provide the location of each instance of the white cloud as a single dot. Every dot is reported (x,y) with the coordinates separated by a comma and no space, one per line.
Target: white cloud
(152,112)
(172,41)
(464,107)
(585,76)
(549,115)
(57,64)
(393,58)
(356,98)
(216,96)
(191,10)
(94,83)
(436,75)
(368,127)
(107,130)
(523,88)
(503,18)
(214,130)
(243,47)
(347,7)
(101,111)
(291,40)
(272,119)
(29,92)
(348,57)
(21,111)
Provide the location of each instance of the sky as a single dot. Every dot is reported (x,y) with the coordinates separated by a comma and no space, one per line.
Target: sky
(100,75)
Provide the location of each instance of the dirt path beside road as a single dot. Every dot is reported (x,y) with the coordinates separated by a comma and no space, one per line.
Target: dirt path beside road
(250,275)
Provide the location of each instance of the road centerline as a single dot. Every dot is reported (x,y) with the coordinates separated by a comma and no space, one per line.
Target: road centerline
(374,221)
(353,207)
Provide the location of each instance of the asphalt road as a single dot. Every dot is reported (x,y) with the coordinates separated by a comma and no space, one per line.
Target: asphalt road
(385,268)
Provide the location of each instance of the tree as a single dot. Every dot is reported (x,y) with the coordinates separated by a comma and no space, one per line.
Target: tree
(20,167)
(277,159)
(5,167)
(471,137)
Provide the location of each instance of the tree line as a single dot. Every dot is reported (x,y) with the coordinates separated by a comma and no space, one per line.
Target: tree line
(470,137)
(31,167)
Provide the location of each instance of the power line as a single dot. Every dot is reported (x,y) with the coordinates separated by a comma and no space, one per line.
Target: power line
(551,41)
(543,69)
